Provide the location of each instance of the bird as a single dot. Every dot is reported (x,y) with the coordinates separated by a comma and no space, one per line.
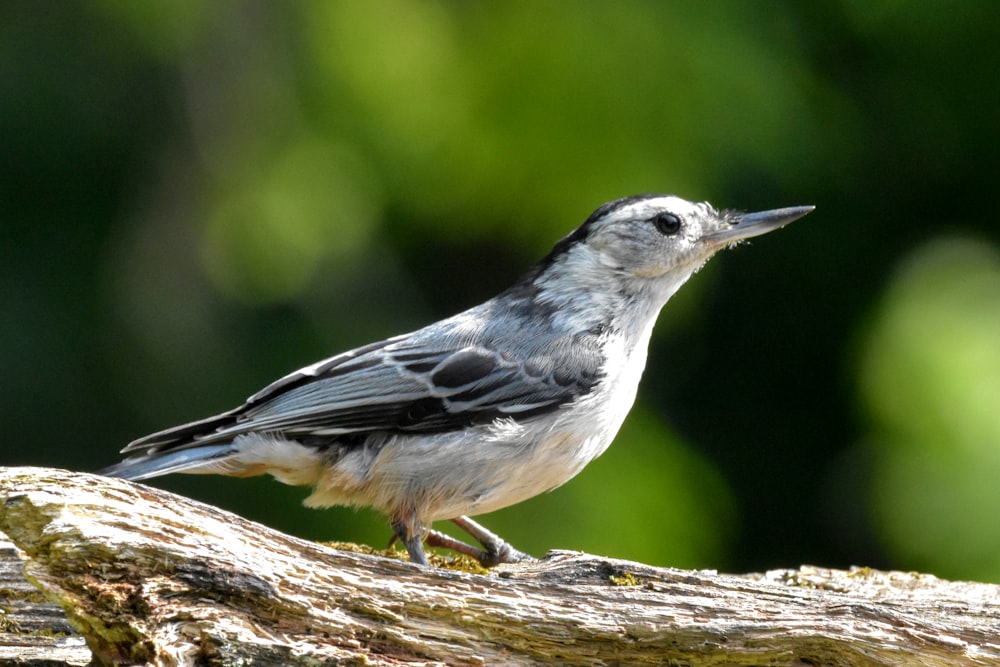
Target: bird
(482,410)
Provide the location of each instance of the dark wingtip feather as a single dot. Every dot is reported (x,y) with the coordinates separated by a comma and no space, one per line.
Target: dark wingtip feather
(185,434)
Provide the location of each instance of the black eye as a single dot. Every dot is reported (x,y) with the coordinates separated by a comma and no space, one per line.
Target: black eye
(667,223)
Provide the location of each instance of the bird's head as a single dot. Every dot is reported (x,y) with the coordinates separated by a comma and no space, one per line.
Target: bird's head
(650,244)
(650,236)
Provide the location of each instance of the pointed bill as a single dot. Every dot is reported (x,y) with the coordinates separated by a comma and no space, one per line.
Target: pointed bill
(747,225)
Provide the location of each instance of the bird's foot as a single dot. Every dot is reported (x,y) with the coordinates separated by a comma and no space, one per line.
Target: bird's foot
(495,549)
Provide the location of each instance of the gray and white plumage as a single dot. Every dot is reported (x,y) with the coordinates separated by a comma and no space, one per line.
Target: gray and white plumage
(484,409)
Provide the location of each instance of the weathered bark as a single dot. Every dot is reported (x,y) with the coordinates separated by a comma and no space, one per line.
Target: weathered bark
(147,576)
(33,631)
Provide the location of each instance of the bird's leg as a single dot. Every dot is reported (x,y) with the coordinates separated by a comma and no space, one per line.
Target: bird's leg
(496,549)
(436,538)
(412,538)
(486,558)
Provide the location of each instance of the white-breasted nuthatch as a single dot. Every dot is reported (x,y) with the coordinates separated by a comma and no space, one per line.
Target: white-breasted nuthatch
(482,410)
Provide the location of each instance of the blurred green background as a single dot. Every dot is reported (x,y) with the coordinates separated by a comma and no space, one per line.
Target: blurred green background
(198,197)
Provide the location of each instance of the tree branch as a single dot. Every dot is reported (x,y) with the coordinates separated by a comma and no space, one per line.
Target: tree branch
(147,576)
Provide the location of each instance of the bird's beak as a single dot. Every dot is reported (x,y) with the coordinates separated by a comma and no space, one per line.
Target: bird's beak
(746,225)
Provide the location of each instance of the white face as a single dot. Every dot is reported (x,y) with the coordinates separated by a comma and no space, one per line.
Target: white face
(647,245)
(649,237)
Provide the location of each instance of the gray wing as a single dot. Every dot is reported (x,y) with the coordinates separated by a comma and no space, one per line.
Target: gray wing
(424,382)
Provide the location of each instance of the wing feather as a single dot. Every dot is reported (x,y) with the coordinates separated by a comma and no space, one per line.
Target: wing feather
(430,381)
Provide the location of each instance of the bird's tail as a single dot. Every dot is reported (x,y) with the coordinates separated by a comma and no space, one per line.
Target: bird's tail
(208,458)
(198,447)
